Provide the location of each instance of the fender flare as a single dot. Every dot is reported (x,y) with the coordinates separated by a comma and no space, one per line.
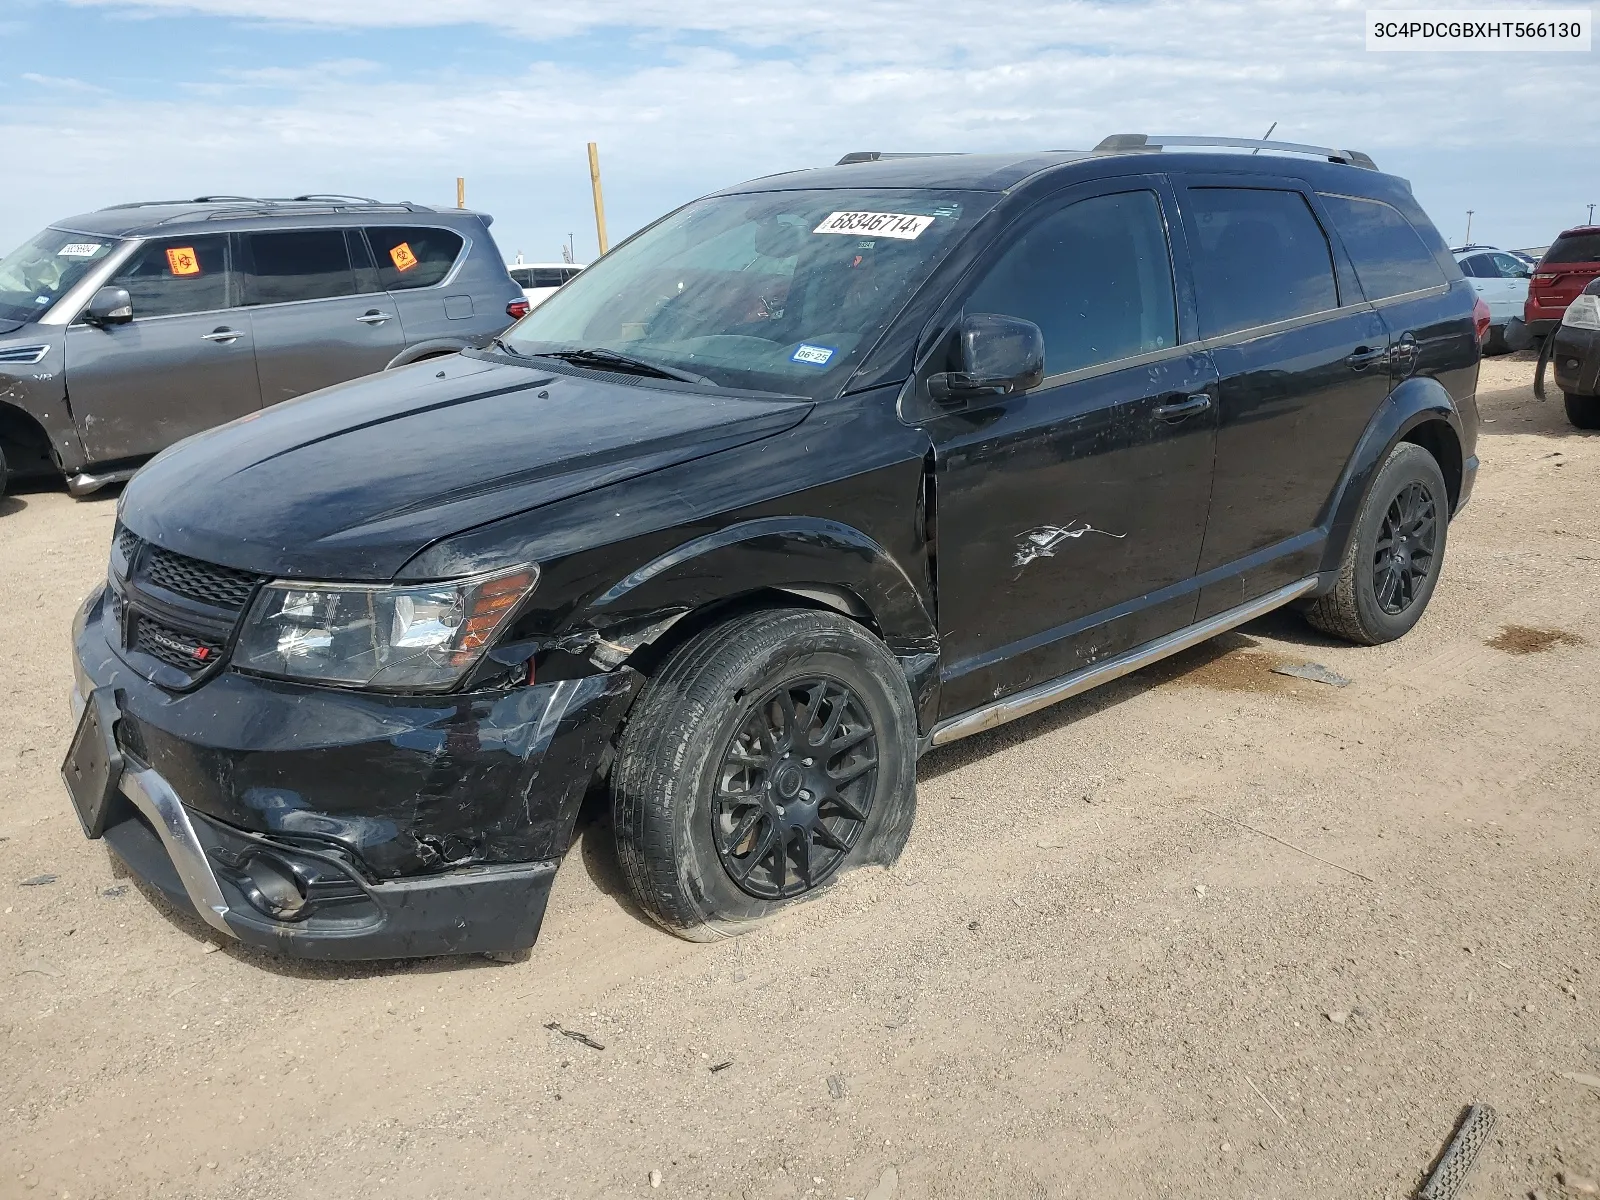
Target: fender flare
(1419,409)
(826,561)
(434,348)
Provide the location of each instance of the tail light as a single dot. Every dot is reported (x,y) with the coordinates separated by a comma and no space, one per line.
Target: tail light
(518,309)
(1544,279)
(1480,319)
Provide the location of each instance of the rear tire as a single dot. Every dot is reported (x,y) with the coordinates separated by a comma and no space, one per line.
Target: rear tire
(765,756)
(1396,550)
(1582,411)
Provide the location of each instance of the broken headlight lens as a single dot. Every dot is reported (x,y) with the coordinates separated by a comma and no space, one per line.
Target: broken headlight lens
(421,637)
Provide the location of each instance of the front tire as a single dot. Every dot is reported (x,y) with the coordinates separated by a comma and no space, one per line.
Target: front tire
(1582,411)
(766,755)
(1395,553)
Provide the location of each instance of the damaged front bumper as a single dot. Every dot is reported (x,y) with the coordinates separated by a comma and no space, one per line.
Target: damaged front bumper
(326,823)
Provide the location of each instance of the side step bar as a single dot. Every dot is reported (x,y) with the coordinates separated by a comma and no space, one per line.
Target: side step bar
(83,483)
(1045,694)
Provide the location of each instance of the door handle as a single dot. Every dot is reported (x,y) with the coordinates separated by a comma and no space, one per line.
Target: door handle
(1187,407)
(375,317)
(223,335)
(1365,356)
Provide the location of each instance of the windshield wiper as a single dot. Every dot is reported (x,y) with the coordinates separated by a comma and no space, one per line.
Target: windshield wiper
(600,357)
(514,353)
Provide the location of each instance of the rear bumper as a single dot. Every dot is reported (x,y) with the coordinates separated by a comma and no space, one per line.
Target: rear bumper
(395,826)
(1576,359)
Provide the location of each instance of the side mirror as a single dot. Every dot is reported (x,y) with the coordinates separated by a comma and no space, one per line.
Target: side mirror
(110,306)
(1000,356)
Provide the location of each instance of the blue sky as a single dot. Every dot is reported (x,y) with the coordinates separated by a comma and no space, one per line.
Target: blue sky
(110,100)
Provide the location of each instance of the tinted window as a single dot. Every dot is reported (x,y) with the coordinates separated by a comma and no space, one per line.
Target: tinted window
(303,264)
(1389,255)
(549,277)
(1095,277)
(1580,247)
(521,276)
(1259,257)
(413,256)
(177,275)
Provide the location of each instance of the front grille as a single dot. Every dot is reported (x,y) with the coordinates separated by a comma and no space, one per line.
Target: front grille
(127,542)
(176,610)
(185,651)
(207,582)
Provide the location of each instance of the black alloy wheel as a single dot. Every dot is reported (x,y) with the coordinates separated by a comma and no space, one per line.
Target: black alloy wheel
(1404,554)
(794,789)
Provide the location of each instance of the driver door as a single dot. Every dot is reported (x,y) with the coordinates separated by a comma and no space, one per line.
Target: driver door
(184,363)
(1070,518)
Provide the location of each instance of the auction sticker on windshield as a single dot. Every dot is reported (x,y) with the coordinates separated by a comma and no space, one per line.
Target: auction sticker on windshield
(904,226)
(80,249)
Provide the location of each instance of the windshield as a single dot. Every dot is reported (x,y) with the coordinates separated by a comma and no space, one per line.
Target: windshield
(775,291)
(36,273)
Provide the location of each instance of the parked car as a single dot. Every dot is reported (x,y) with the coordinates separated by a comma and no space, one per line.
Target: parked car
(1500,278)
(539,281)
(810,475)
(125,330)
(1574,347)
(1572,260)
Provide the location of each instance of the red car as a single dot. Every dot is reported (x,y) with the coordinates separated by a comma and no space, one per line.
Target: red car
(1565,270)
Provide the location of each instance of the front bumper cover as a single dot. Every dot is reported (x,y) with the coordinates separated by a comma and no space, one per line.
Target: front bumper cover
(397,826)
(1576,359)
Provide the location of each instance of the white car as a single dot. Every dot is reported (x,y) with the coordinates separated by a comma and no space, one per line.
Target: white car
(539,280)
(1501,280)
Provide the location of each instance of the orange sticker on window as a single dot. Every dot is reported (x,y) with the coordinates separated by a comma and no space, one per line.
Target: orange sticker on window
(404,260)
(182,260)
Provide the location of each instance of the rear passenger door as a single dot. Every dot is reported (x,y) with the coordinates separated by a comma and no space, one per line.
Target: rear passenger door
(184,363)
(1069,518)
(318,310)
(1301,359)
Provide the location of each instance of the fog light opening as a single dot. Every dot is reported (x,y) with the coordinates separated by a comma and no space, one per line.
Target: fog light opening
(273,888)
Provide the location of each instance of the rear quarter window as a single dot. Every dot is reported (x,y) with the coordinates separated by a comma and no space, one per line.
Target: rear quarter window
(1388,253)
(413,256)
(1577,248)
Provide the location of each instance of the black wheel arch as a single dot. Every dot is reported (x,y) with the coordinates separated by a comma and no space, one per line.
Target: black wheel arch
(1419,410)
(29,448)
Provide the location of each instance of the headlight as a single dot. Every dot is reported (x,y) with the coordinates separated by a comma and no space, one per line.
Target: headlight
(1583,313)
(421,637)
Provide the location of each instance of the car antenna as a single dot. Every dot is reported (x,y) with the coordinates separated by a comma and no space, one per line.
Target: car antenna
(1265,136)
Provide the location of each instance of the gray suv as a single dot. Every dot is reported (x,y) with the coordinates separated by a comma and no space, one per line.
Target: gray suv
(124,330)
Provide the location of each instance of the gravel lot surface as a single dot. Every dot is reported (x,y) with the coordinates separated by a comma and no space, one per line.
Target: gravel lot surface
(1210,931)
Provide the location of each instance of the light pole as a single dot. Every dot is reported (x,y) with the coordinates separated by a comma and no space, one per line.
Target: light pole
(1468,242)
(1591,214)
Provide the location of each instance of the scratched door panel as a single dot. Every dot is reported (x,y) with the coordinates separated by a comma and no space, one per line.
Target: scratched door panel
(1070,523)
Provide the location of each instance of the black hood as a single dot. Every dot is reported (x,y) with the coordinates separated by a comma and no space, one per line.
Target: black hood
(351,482)
(10,326)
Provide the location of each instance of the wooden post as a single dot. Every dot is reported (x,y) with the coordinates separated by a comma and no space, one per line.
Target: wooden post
(461,191)
(599,204)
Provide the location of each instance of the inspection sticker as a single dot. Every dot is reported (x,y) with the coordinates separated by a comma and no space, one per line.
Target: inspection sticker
(816,356)
(182,260)
(404,260)
(79,250)
(904,226)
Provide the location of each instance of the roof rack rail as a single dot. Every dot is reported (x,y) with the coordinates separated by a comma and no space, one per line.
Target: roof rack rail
(219,199)
(1146,141)
(861,156)
(340,196)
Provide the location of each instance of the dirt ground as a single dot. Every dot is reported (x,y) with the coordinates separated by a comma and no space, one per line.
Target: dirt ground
(1210,932)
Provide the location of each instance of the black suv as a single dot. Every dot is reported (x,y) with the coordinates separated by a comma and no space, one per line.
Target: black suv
(124,330)
(805,478)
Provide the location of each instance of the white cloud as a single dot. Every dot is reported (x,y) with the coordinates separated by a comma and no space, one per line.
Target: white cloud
(834,76)
(60,83)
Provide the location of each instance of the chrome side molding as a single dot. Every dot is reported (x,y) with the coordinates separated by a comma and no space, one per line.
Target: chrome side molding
(1045,694)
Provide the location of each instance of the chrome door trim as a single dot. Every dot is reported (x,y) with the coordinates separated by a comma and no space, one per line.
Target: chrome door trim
(1043,695)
